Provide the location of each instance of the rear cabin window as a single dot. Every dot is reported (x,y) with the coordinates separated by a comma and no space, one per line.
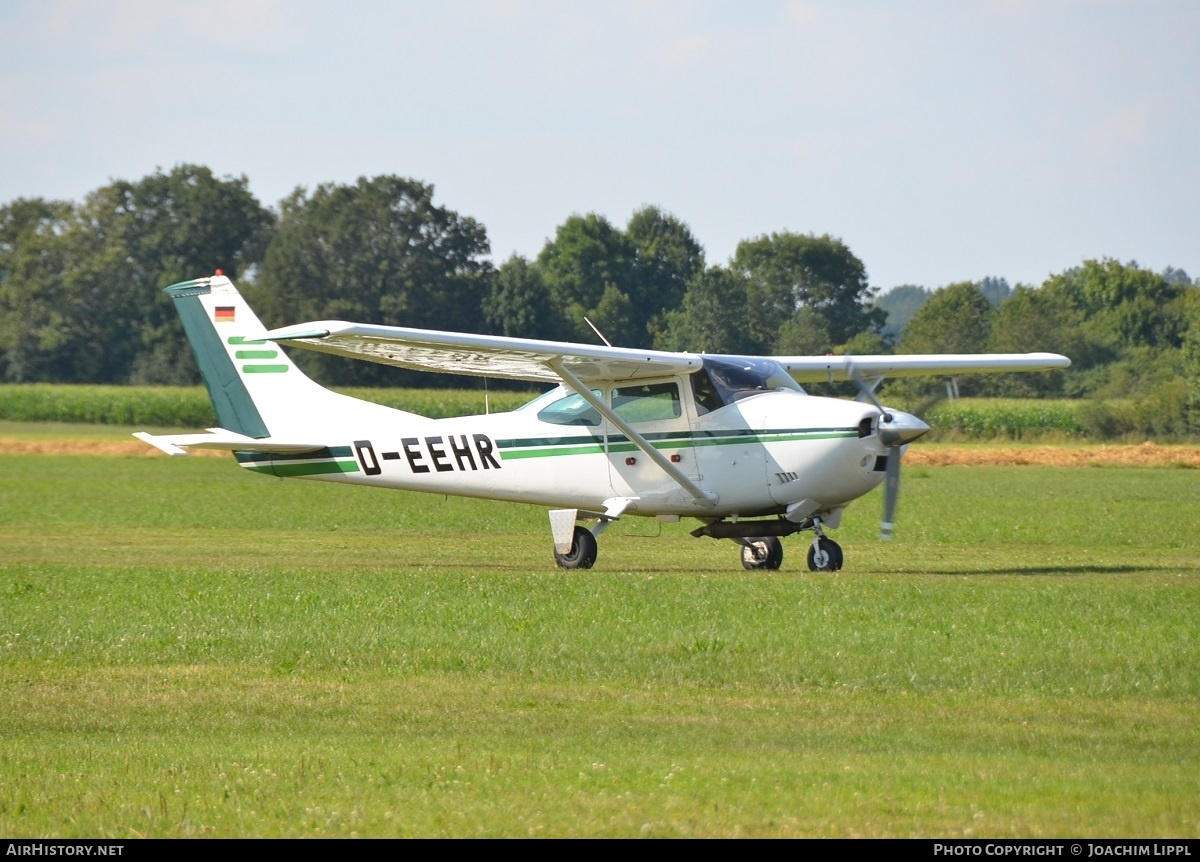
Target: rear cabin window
(652,402)
(570,410)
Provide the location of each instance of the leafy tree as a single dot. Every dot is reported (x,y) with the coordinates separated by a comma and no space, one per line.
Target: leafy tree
(995,290)
(788,272)
(185,223)
(622,281)
(378,251)
(1191,357)
(615,314)
(714,316)
(1177,276)
(804,333)
(956,319)
(866,344)
(666,258)
(1032,319)
(1123,305)
(518,303)
(26,219)
(900,304)
(173,226)
(88,283)
(33,343)
(1131,326)
(588,258)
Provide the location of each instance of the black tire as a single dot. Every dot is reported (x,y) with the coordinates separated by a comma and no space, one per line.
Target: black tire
(832,553)
(764,552)
(583,551)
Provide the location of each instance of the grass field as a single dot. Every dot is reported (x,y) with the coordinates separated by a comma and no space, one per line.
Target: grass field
(189,650)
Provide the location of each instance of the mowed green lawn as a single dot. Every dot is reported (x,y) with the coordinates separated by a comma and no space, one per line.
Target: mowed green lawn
(187,649)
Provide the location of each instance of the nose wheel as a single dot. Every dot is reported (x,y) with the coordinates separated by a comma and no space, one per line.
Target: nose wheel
(825,555)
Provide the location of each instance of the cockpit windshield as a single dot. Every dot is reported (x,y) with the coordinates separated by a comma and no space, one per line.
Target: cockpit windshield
(722,381)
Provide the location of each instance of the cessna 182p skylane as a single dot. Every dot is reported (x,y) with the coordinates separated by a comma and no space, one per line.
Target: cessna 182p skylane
(732,441)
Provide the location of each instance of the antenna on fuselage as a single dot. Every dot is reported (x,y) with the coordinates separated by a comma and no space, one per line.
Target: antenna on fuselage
(597,331)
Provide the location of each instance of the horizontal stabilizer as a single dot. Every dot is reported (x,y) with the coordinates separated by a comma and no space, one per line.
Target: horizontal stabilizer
(224,441)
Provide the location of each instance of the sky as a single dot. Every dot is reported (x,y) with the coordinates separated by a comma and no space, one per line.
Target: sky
(941,140)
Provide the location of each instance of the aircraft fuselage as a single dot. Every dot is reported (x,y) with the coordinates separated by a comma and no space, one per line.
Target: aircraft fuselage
(762,454)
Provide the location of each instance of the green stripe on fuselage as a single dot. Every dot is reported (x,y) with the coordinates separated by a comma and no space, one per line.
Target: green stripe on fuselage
(552,447)
(315,468)
(786,437)
(315,455)
(332,459)
(515,454)
(526,442)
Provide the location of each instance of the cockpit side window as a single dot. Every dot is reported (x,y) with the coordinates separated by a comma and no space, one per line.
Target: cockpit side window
(704,393)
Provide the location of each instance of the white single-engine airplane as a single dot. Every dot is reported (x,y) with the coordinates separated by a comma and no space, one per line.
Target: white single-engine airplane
(732,441)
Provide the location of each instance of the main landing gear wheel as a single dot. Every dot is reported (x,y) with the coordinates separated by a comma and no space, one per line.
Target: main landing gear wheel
(825,555)
(762,553)
(582,553)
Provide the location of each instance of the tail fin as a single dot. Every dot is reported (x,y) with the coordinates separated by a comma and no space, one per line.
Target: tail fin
(256,389)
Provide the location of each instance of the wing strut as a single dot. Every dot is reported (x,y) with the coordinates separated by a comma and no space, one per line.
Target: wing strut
(702,497)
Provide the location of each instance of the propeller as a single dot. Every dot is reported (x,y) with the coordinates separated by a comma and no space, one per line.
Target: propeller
(895,430)
(891,493)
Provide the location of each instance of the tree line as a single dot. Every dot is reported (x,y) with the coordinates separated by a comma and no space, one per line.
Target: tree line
(81,289)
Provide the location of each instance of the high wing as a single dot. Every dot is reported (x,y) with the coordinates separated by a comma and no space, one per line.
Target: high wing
(529,359)
(482,355)
(826,369)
